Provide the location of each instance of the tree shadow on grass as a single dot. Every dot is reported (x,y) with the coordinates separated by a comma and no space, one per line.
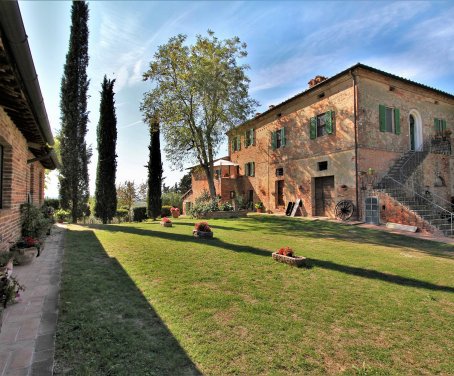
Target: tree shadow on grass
(321,229)
(374,274)
(106,325)
(216,242)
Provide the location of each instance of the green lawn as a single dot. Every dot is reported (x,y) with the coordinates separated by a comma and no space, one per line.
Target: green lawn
(141,299)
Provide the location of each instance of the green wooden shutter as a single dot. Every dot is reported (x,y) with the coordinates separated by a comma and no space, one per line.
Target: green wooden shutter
(382,117)
(245,169)
(283,140)
(233,144)
(273,140)
(253,168)
(396,121)
(245,140)
(436,128)
(252,136)
(329,122)
(443,125)
(238,142)
(313,128)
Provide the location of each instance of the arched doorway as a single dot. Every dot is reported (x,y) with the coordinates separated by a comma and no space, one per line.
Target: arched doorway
(415,130)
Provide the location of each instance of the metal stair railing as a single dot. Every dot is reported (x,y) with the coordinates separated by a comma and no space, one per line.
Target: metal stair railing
(389,183)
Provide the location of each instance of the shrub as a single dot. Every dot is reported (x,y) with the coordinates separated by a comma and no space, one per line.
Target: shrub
(226,206)
(259,205)
(52,202)
(139,213)
(33,221)
(286,251)
(204,204)
(62,215)
(122,214)
(165,211)
(202,226)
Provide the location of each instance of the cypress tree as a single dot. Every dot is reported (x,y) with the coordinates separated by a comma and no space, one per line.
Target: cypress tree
(75,155)
(106,192)
(154,201)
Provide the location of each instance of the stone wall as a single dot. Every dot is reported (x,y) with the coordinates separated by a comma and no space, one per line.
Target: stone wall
(19,180)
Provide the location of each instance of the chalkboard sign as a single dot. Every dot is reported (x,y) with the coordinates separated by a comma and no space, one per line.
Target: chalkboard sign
(296,206)
(289,210)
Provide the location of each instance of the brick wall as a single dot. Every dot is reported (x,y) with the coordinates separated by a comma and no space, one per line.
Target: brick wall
(19,179)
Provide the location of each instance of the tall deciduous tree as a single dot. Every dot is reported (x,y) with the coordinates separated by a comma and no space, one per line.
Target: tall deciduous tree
(200,92)
(106,193)
(75,155)
(154,201)
(127,195)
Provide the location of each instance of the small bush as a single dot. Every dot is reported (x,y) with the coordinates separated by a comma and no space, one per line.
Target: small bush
(52,202)
(62,215)
(165,211)
(204,204)
(226,206)
(139,213)
(34,223)
(286,251)
(122,215)
(202,226)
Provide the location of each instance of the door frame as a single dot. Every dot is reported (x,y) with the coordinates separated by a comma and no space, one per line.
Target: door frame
(417,130)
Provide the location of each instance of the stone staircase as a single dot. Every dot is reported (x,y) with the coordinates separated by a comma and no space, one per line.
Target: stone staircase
(433,210)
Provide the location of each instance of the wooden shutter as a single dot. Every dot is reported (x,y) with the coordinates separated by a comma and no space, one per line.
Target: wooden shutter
(283,140)
(436,127)
(238,142)
(245,140)
(329,122)
(252,168)
(252,136)
(396,121)
(443,125)
(273,140)
(382,117)
(245,169)
(233,144)
(313,128)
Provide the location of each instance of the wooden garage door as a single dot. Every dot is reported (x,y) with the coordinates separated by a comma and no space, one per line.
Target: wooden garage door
(324,196)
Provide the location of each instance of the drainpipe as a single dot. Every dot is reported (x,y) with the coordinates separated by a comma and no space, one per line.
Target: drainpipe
(355,122)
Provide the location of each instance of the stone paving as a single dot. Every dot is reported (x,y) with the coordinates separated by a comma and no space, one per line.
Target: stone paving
(27,337)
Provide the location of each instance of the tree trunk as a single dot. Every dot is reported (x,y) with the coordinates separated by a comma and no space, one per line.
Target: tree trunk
(210,180)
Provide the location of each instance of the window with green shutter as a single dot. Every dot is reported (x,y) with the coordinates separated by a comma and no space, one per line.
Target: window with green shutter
(313,128)
(249,169)
(249,137)
(389,119)
(321,125)
(273,140)
(283,139)
(236,143)
(439,125)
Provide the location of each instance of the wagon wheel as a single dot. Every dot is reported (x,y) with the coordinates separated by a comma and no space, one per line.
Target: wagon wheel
(344,209)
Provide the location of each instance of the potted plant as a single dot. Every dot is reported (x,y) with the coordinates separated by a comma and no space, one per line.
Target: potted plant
(175,212)
(286,255)
(202,230)
(259,207)
(166,222)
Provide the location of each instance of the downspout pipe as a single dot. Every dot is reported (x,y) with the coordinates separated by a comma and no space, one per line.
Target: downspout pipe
(355,122)
(17,40)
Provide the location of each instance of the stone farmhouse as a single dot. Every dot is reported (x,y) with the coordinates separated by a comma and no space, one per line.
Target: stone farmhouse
(25,133)
(379,141)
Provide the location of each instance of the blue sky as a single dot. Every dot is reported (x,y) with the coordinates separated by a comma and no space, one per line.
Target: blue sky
(288,44)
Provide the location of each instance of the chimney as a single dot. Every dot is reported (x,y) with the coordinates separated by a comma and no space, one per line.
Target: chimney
(316,80)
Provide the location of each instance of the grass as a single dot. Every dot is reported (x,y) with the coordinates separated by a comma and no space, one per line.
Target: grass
(141,299)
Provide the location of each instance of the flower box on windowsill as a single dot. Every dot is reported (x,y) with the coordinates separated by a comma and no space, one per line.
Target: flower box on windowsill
(297,261)
(166,224)
(202,234)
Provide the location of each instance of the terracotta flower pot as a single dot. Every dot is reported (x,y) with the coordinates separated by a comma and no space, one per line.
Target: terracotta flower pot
(175,214)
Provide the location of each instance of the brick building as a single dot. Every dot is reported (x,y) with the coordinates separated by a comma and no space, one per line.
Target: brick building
(345,138)
(25,134)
